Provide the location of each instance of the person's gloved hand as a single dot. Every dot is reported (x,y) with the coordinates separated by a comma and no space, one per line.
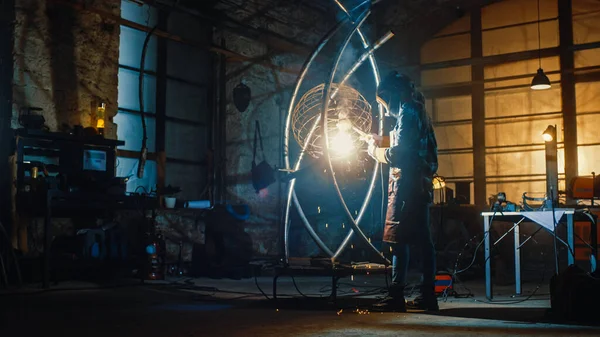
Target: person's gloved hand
(372,148)
(375,152)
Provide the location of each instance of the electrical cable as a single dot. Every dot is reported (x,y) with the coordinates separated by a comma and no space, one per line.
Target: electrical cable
(259,288)
(144,149)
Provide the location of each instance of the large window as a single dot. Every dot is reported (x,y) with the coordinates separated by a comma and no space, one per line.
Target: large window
(128,119)
(514,115)
(176,101)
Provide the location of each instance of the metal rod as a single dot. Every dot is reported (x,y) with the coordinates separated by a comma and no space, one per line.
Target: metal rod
(508,231)
(377,167)
(291,193)
(325,108)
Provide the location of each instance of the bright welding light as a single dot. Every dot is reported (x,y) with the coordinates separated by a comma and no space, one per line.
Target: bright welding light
(342,144)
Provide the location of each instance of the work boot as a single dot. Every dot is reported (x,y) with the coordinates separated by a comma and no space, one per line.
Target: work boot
(427,300)
(391,304)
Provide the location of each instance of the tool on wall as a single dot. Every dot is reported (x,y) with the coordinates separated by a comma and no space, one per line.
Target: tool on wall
(263,174)
(242,96)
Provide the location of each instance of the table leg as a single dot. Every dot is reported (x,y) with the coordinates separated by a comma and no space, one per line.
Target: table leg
(517,260)
(47,244)
(334,280)
(488,267)
(570,239)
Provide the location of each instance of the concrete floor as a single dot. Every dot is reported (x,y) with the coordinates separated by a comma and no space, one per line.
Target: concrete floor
(208,307)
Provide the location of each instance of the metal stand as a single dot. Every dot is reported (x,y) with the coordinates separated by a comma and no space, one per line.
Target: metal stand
(517,218)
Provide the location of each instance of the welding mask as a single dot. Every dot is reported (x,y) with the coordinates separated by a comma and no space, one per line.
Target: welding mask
(390,90)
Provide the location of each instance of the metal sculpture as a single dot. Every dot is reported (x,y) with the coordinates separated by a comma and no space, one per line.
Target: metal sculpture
(320,126)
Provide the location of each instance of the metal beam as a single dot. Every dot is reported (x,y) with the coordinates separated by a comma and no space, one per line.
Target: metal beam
(478,110)
(567,85)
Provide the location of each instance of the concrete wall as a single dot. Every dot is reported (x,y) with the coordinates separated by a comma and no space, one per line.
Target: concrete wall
(65,60)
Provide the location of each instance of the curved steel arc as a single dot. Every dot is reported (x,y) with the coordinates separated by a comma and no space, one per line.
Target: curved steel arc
(310,229)
(324,112)
(291,193)
(377,167)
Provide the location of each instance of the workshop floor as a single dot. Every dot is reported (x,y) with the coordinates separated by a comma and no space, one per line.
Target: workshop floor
(209,307)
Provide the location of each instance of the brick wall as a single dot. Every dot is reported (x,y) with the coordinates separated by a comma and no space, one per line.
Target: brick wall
(65,60)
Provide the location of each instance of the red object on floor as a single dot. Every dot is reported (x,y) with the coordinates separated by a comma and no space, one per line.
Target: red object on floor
(443,282)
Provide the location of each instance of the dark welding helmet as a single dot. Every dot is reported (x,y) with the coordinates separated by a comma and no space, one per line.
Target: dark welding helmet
(389,91)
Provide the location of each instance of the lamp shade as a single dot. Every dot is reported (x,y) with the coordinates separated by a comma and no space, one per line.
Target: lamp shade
(540,81)
(549,134)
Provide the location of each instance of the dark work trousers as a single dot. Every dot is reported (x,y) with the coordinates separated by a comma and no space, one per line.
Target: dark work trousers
(407,224)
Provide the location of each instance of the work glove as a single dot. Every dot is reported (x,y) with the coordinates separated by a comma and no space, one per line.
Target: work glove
(376,152)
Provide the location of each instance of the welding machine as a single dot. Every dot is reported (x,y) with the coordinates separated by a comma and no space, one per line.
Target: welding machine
(443,282)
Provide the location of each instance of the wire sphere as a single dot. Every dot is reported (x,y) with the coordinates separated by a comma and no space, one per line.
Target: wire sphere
(348,112)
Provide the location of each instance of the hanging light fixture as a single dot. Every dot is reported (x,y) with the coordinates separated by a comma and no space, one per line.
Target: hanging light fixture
(540,80)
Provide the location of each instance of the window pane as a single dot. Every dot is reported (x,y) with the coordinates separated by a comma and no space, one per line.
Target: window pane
(130,50)
(129,91)
(129,129)
(144,15)
(520,38)
(511,12)
(452,108)
(186,101)
(186,141)
(188,62)
(455,165)
(454,136)
(446,48)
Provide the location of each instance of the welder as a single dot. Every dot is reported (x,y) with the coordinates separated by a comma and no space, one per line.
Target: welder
(412,157)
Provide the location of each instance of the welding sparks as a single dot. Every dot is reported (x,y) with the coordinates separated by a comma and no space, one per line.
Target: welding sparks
(326,225)
(319,209)
(343,226)
(342,144)
(340,312)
